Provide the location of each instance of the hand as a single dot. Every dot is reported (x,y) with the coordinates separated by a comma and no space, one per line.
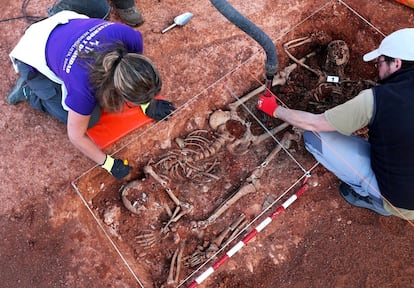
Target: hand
(158,109)
(267,103)
(117,167)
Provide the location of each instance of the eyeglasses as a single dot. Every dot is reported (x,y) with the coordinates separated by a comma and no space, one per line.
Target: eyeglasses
(378,63)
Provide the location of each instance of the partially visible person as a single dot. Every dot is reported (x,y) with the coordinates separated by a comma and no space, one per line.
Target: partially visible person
(126,9)
(377,174)
(128,12)
(72,66)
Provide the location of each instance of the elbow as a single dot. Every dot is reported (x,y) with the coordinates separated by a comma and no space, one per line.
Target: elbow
(321,124)
(317,123)
(75,138)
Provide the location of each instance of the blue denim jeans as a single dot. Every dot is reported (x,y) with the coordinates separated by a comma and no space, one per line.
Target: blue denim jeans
(46,95)
(348,157)
(123,4)
(92,8)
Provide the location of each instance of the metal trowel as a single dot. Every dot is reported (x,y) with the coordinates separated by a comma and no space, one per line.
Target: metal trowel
(180,20)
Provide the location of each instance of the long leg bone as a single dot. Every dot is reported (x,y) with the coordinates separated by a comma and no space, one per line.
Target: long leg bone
(236,231)
(243,191)
(252,182)
(182,208)
(202,253)
(285,142)
(175,267)
(225,233)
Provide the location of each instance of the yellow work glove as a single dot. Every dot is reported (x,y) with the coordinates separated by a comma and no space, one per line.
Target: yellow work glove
(117,167)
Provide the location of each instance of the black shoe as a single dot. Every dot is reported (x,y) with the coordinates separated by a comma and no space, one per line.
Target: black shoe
(130,16)
(18,93)
(355,199)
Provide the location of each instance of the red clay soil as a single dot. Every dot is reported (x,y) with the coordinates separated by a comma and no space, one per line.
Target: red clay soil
(55,234)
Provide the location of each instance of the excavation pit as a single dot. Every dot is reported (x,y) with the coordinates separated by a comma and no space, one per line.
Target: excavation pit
(146,241)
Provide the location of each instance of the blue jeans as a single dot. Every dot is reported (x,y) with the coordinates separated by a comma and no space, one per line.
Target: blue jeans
(123,4)
(92,8)
(348,157)
(46,95)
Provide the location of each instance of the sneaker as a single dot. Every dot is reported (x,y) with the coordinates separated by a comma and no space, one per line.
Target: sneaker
(18,93)
(130,16)
(355,199)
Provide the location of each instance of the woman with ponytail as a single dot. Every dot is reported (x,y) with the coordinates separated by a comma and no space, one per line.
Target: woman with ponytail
(72,66)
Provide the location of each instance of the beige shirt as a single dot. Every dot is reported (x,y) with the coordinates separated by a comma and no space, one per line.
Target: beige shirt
(399,212)
(353,114)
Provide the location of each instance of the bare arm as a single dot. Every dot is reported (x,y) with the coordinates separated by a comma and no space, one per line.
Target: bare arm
(77,126)
(304,120)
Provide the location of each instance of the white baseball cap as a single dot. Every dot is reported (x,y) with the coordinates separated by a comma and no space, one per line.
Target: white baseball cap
(399,44)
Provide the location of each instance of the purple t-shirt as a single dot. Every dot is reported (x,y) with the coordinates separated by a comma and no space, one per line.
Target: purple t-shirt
(83,34)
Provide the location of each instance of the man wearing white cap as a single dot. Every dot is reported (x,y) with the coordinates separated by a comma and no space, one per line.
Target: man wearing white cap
(377,174)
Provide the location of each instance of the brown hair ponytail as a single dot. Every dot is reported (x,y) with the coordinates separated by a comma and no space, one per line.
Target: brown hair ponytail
(119,77)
